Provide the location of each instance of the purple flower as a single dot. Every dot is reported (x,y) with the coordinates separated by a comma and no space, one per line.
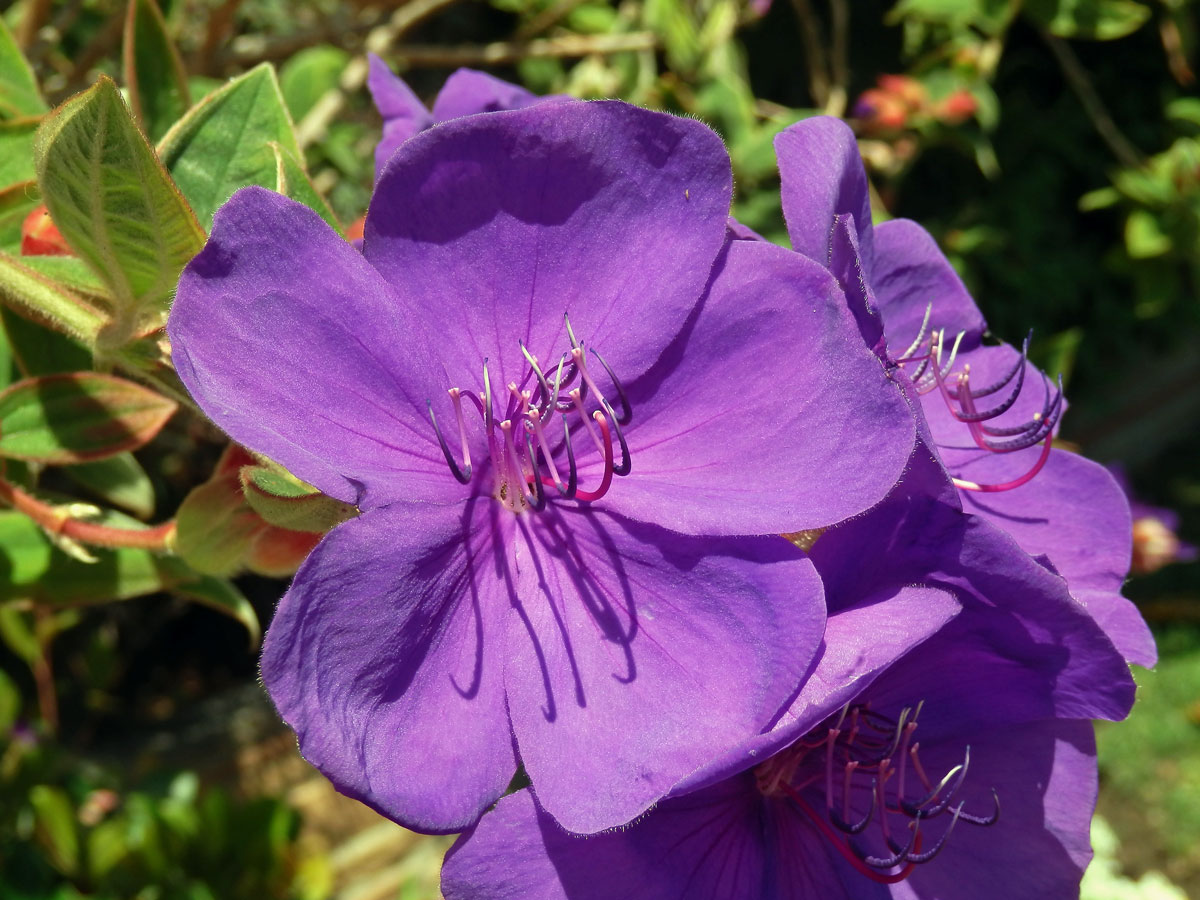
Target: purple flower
(990,413)
(506,594)
(465,93)
(1155,542)
(940,746)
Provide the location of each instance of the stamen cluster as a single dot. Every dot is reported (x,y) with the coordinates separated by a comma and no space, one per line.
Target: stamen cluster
(931,373)
(864,758)
(521,450)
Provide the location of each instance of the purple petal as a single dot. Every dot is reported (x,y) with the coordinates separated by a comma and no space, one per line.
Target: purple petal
(294,345)
(1045,775)
(1075,515)
(706,846)
(909,274)
(639,655)
(386,657)
(845,262)
(823,177)
(769,386)
(860,643)
(467,92)
(1029,607)
(495,226)
(403,114)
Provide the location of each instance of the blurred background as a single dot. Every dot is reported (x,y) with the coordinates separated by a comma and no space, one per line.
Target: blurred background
(1051,146)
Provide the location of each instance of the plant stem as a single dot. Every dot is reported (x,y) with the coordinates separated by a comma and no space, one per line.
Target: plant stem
(53,520)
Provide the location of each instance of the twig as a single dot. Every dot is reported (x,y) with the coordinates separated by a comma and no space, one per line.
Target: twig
(415,55)
(814,52)
(546,19)
(839,66)
(54,521)
(43,675)
(1081,84)
(314,124)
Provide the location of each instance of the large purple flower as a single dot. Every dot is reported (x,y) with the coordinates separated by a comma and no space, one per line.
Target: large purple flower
(466,92)
(545,302)
(990,414)
(940,746)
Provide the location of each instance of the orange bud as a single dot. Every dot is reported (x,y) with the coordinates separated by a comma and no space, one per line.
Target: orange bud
(956,108)
(41,237)
(354,231)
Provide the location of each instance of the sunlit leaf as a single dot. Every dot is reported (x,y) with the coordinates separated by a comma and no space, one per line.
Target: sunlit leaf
(223,143)
(1097,20)
(70,418)
(293,181)
(119,481)
(35,296)
(114,203)
(54,819)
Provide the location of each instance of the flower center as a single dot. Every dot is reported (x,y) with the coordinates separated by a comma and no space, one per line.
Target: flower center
(931,373)
(526,451)
(869,768)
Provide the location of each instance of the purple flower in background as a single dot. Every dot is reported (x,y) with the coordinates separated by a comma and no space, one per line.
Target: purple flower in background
(990,413)
(1155,542)
(465,93)
(556,395)
(940,746)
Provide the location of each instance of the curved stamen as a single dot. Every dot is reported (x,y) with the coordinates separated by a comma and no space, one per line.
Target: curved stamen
(462,476)
(1045,425)
(577,357)
(543,384)
(999,409)
(606,481)
(957,775)
(920,338)
(884,862)
(860,826)
(1007,485)
(1017,368)
(488,414)
(626,410)
(980,820)
(538,500)
(918,858)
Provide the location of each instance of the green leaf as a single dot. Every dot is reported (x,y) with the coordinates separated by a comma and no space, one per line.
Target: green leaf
(293,181)
(1144,235)
(119,481)
(306,77)
(36,571)
(154,74)
(115,204)
(36,297)
(54,819)
(40,351)
(225,598)
(1094,20)
(16,150)
(71,418)
(72,273)
(223,143)
(17,201)
(19,94)
(288,503)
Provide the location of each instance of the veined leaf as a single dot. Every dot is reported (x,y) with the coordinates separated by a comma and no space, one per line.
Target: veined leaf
(223,143)
(154,74)
(19,94)
(293,181)
(115,204)
(16,202)
(33,295)
(62,419)
(40,351)
(16,150)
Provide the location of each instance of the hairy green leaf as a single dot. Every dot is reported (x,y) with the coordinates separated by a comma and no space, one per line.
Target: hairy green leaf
(62,419)
(46,301)
(16,150)
(223,143)
(115,204)
(119,481)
